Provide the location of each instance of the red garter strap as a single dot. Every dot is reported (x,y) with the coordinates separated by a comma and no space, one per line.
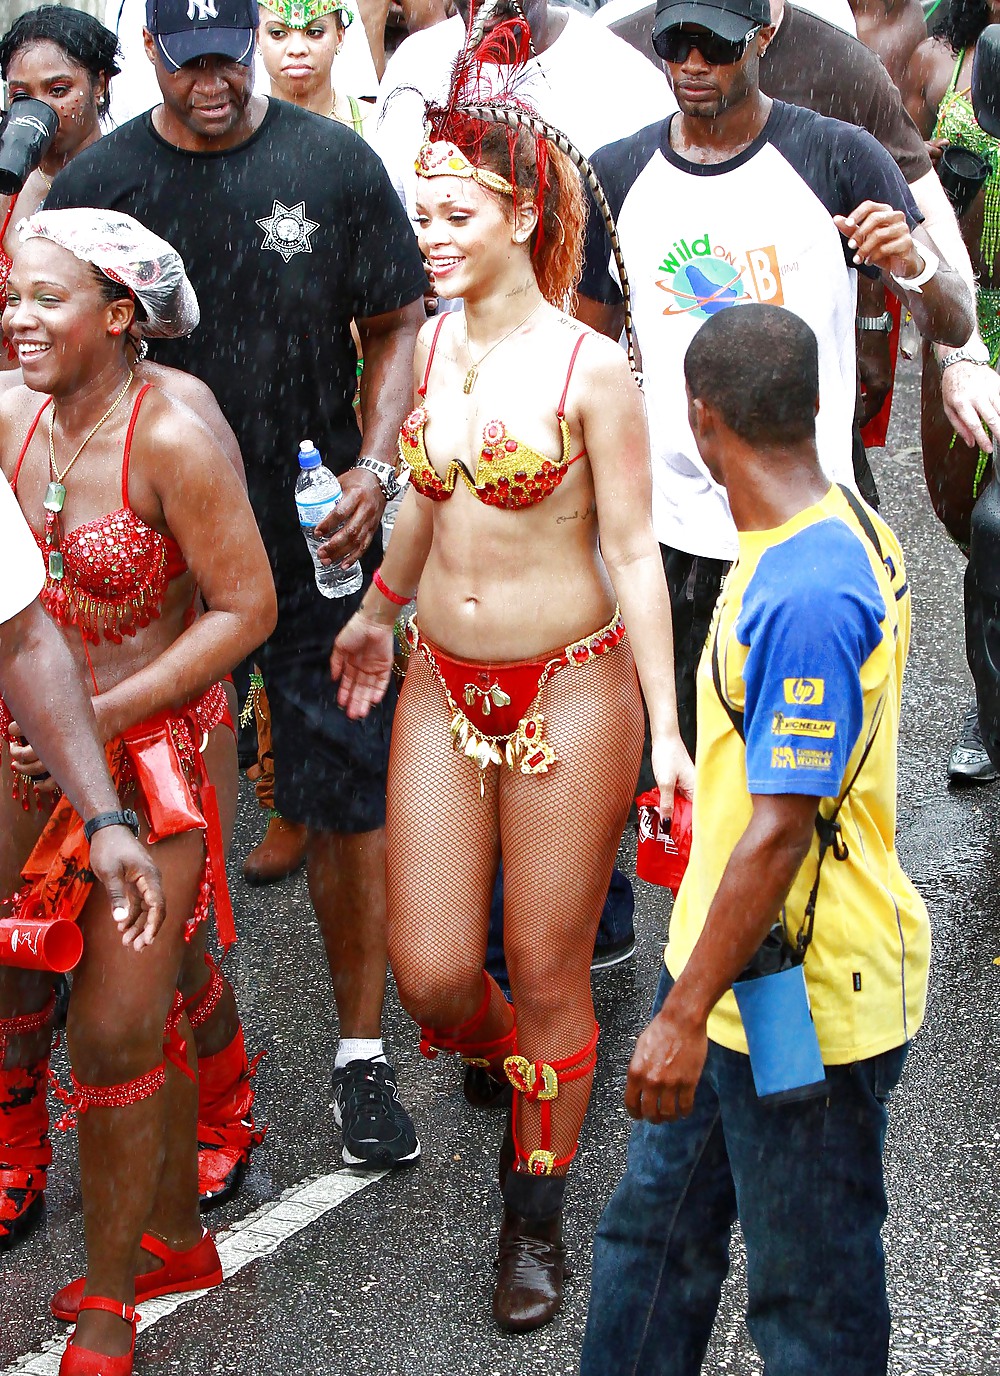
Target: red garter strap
(131,1092)
(174,1045)
(124,1095)
(538,1082)
(202,1005)
(24,1024)
(462,1040)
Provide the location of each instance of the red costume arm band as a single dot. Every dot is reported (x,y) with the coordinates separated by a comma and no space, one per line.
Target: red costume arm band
(386,591)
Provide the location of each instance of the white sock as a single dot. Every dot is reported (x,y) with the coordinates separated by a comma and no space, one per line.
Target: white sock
(358,1049)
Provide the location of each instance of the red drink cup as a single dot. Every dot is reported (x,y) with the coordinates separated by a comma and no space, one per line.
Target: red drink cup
(31,944)
(663,854)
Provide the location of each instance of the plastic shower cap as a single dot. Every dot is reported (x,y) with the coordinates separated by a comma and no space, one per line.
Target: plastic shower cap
(127,252)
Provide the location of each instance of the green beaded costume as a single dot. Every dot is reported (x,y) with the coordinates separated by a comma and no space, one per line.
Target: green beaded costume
(957,123)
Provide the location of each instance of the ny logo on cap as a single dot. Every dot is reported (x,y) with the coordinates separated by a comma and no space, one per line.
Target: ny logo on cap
(202,10)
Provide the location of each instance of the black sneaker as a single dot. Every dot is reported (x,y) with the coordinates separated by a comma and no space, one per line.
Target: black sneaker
(968,762)
(611,953)
(378,1132)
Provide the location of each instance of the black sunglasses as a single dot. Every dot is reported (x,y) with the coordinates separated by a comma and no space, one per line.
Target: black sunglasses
(675,44)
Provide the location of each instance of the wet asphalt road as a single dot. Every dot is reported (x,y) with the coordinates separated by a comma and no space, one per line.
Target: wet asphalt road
(398,1278)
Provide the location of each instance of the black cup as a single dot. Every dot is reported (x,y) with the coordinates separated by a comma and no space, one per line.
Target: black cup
(27,130)
(962,173)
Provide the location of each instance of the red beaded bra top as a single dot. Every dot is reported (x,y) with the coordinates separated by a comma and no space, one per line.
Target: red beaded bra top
(508,473)
(116,568)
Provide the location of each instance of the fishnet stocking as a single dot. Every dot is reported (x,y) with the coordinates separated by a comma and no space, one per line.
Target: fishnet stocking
(559,834)
(442,853)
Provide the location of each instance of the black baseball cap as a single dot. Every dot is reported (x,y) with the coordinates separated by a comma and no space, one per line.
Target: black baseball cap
(188,29)
(730,19)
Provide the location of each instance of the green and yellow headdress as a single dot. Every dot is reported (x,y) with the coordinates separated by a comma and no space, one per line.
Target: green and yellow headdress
(299,14)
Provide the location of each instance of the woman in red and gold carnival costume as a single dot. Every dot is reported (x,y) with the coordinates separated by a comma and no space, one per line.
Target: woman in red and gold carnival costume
(124,487)
(528,528)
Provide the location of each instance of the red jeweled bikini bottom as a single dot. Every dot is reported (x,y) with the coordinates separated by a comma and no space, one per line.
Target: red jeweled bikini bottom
(498,721)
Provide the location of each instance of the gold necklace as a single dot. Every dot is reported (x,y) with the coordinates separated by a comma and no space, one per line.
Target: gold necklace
(55,493)
(472,376)
(45,179)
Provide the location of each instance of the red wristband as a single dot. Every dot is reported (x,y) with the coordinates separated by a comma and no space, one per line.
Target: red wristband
(387,591)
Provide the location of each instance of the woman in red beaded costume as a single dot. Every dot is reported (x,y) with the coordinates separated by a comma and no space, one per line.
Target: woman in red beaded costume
(123,487)
(528,528)
(67,58)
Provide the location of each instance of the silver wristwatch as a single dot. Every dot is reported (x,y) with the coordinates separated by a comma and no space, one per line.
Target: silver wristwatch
(876,324)
(965,356)
(385,475)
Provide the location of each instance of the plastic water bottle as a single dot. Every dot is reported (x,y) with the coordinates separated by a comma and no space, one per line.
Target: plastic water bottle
(317,492)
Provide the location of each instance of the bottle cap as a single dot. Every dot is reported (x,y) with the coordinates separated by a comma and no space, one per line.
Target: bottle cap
(308,455)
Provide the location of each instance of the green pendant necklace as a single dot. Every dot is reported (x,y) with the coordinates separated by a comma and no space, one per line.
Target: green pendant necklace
(55,494)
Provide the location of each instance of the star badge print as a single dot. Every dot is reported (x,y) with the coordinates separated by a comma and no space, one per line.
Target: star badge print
(287,230)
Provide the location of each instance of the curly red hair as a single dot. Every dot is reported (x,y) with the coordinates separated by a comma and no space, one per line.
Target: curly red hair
(545,177)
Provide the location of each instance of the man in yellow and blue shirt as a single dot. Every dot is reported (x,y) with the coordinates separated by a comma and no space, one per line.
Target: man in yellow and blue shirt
(798,715)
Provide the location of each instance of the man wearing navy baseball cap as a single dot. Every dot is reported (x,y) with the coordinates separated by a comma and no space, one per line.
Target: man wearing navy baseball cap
(184,30)
(290,229)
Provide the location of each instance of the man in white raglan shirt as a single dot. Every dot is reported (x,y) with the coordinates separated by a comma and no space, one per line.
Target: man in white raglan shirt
(741,198)
(585,80)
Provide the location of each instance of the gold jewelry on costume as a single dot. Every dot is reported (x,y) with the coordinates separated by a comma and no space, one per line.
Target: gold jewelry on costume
(472,376)
(523,1075)
(443,159)
(541,1162)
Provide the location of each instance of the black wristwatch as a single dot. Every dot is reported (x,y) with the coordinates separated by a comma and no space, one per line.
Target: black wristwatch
(124,817)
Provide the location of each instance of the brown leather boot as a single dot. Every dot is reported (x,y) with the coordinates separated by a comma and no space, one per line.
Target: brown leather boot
(531,1266)
(279,854)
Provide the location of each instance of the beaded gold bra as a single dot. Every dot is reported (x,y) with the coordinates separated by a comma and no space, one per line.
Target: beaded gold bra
(508,473)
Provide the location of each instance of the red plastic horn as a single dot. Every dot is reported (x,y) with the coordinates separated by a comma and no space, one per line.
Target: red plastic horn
(30,944)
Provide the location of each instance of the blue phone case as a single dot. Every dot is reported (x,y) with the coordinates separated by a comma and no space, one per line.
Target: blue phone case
(784,1049)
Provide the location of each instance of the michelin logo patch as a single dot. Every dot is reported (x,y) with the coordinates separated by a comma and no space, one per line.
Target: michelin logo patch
(802,726)
(804,692)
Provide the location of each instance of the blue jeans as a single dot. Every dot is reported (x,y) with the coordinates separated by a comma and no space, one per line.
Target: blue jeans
(807,1183)
(615,925)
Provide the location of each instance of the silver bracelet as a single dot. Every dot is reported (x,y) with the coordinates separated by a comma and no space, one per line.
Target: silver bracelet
(965,356)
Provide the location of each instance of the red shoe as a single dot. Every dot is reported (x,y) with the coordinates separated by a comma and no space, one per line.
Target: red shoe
(81,1361)
(25,1151)
(199,1268)
(227,1133)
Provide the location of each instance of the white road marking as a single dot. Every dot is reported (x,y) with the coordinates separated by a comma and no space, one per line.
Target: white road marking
(258,1235)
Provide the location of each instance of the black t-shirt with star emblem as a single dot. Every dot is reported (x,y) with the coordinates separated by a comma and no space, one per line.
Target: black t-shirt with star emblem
(286,238)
